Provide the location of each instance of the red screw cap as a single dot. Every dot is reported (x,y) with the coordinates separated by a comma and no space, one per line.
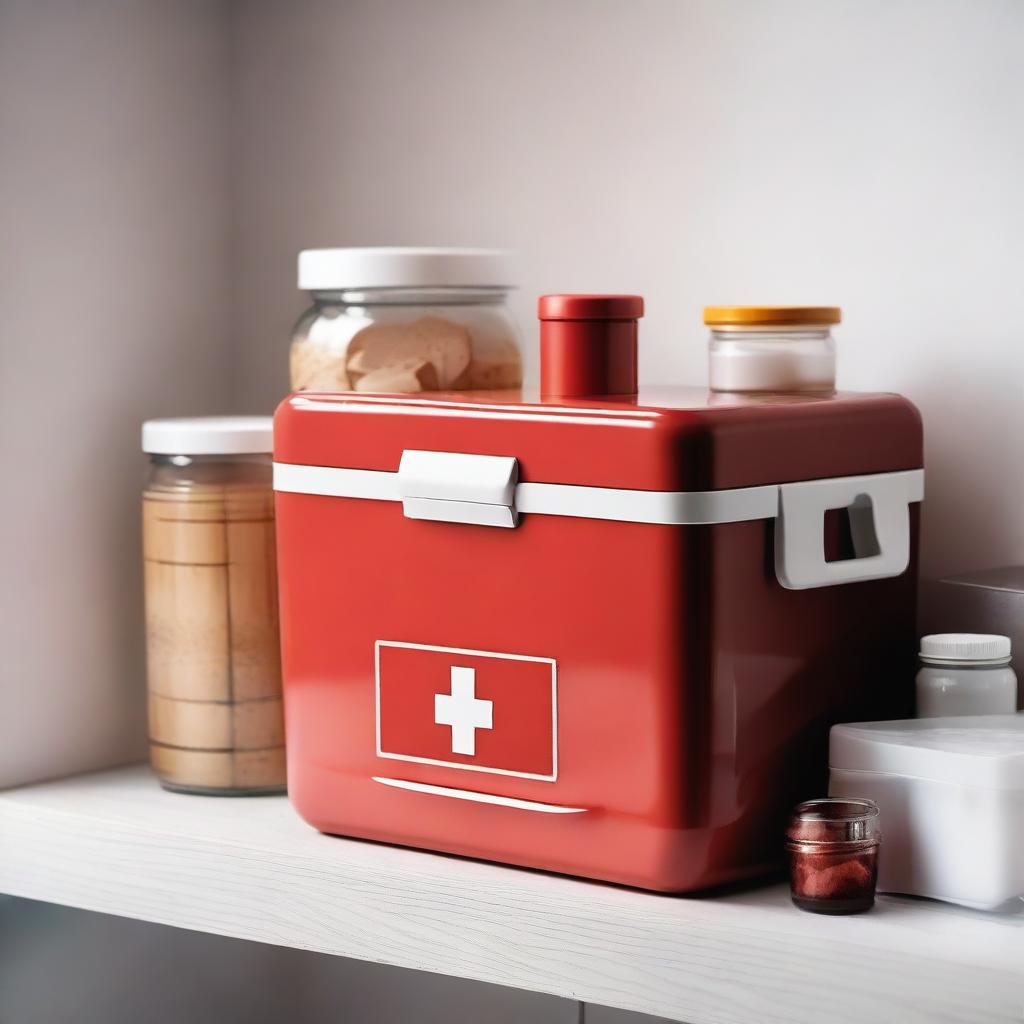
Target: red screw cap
(588,344)
(590,307)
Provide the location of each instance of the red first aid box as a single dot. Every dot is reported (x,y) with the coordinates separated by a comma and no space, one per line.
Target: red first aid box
(601,636)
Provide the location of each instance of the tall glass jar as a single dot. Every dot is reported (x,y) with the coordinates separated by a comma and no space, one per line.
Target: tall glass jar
(405,320)
(216,723)
(772,348)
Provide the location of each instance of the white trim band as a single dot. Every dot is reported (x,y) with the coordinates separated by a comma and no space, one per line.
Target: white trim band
(480,798)
(331,482)
(666,508)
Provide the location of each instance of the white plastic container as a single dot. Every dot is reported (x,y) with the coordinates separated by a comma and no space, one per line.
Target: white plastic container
(771,348)
(965,674)
(951,796)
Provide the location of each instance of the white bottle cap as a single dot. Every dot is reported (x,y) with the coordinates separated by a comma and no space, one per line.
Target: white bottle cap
(407,267)
(209,435)
(965,647)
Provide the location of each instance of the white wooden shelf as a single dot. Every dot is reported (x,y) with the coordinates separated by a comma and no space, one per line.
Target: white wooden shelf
(250,868)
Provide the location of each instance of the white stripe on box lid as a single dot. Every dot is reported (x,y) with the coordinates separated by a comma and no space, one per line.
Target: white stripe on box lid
(668,508)
(482,490)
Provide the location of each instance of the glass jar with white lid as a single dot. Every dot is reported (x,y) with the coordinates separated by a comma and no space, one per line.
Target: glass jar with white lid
(216,715)
(772,348)
(406,320)
(965,674)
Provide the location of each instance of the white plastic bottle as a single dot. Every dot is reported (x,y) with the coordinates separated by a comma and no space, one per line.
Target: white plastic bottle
(965,674)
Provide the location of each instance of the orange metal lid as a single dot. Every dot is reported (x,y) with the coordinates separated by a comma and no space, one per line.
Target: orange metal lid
(774,316)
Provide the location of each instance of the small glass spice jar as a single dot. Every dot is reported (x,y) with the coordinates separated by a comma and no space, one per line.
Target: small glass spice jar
(216,723)
(772,348)
(833,855)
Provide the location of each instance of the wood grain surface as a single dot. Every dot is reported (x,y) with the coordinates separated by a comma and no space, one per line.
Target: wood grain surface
(249,867)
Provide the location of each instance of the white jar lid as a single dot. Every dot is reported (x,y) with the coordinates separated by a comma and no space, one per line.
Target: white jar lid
(965,647)
(394,267)
(209,435)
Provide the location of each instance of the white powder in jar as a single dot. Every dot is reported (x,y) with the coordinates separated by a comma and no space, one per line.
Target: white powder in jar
(762,361)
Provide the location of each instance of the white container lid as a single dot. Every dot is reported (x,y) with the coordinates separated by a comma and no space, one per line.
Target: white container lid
(966,647)
(209,435)
(985,751)
(403,267)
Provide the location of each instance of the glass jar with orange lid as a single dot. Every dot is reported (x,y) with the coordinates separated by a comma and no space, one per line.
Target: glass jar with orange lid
(772,348)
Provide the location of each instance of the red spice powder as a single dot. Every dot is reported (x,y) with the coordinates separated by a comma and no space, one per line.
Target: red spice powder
(833,846)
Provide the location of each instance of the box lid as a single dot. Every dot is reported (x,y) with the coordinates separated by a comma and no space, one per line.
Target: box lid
(663,439)
(669,457)
(984,751)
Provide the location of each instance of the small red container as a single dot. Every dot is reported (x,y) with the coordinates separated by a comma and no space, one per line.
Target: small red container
(833,855)
(604,636)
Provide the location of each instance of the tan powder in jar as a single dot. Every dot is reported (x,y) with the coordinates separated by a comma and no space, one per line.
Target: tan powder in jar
(428,353)
(215,710)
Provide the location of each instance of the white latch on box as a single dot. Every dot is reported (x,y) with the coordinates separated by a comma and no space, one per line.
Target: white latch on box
(453,487)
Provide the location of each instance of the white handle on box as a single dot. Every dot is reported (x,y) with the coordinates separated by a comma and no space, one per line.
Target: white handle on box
(879,521)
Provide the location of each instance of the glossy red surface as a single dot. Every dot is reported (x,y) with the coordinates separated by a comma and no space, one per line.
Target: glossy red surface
(588,357)
(671,439)
(694,693)
(588,344)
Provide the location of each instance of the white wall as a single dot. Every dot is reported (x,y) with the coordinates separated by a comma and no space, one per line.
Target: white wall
(161,163)
(113,284)
(868,153)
